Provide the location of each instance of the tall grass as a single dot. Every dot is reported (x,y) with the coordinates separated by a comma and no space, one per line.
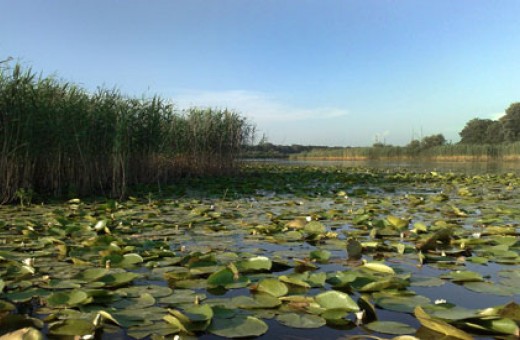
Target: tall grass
(56,138)
(450,152)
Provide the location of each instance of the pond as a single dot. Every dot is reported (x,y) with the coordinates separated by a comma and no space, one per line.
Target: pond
(282,251)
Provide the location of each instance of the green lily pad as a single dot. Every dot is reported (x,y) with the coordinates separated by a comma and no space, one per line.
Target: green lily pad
(254,264)
(118,279)
(258,301)
(336,300)
(238,327)
(314,228)
(301,320)
(390,327)
(226,277)
(405,304)
(320,255)
(72,327)
(464,276)
(440,326)
(158,328)
(198,313)
(273,287)
(68,299)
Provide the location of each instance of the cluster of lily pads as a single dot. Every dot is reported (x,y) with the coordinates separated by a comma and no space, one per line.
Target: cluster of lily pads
(355,253)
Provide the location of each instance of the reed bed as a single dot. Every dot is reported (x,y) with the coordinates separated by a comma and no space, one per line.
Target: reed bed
(58,139)
(450,152)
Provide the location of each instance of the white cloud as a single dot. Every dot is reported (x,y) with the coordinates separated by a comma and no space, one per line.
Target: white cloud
(497,116)
(258,106)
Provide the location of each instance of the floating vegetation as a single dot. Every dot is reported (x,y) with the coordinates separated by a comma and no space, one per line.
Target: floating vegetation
(332,252)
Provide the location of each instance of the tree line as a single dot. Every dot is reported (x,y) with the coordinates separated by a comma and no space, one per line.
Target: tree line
(488,131)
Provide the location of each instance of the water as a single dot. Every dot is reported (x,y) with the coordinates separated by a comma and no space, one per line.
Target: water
(417,166)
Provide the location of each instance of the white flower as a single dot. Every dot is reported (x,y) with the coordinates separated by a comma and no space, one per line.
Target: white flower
(359,316)
(308,218)
(440,301)
(477,235)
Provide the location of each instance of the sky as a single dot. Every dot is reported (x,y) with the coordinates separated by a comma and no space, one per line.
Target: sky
(311,72)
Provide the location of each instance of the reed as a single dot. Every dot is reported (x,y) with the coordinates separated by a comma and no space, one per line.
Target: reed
(56,138)
(449,152)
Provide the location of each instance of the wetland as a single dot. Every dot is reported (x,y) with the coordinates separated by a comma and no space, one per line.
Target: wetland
(278,251)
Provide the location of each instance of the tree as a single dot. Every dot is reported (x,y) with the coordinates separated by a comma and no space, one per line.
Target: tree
(495,133)
(511,123)
(433,140)
(475,131)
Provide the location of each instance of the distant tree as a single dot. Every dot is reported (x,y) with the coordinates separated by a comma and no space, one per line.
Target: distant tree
(495,133)
(414,146)
(433,140)
(476,131)
(511,123)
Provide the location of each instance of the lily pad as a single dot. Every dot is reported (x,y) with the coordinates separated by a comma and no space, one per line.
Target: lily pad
(238,327)
(336,300)
(390,327)
(295,320)
(273,287)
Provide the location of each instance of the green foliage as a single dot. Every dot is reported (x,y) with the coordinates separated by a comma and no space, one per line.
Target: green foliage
(511,123)
(482,131)
(57,138)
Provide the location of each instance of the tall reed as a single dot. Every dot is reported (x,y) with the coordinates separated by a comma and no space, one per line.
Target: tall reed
(56,138)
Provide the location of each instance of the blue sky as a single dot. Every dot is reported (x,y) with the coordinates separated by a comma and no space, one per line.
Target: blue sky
(319,72)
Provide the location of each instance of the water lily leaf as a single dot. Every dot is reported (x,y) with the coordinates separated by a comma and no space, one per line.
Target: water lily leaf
(27,333)
(376,286)
(294,280)
(182,296)
(118,279)
(440,326)
(317,279)
(6,306)
(258,301)
(273,287)
(336,300)
(368,309)
(464,276)
(320,255)
(453,313)
(225,277)
(398,223)
(425,281)
(333,314)
(159,328)
(72,327)
(238,327)
(405,304)
(176,323)
(378,267)
(511,311)
(495,326)
(301,320)
(154,290)
(143,301)
(390,327)
(255,264)
(198,313)
(488,288)
(314,228)
(354,249)
(68,299)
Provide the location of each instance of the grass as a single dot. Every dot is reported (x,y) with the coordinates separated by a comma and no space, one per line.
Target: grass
(56,138)
(450,152)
